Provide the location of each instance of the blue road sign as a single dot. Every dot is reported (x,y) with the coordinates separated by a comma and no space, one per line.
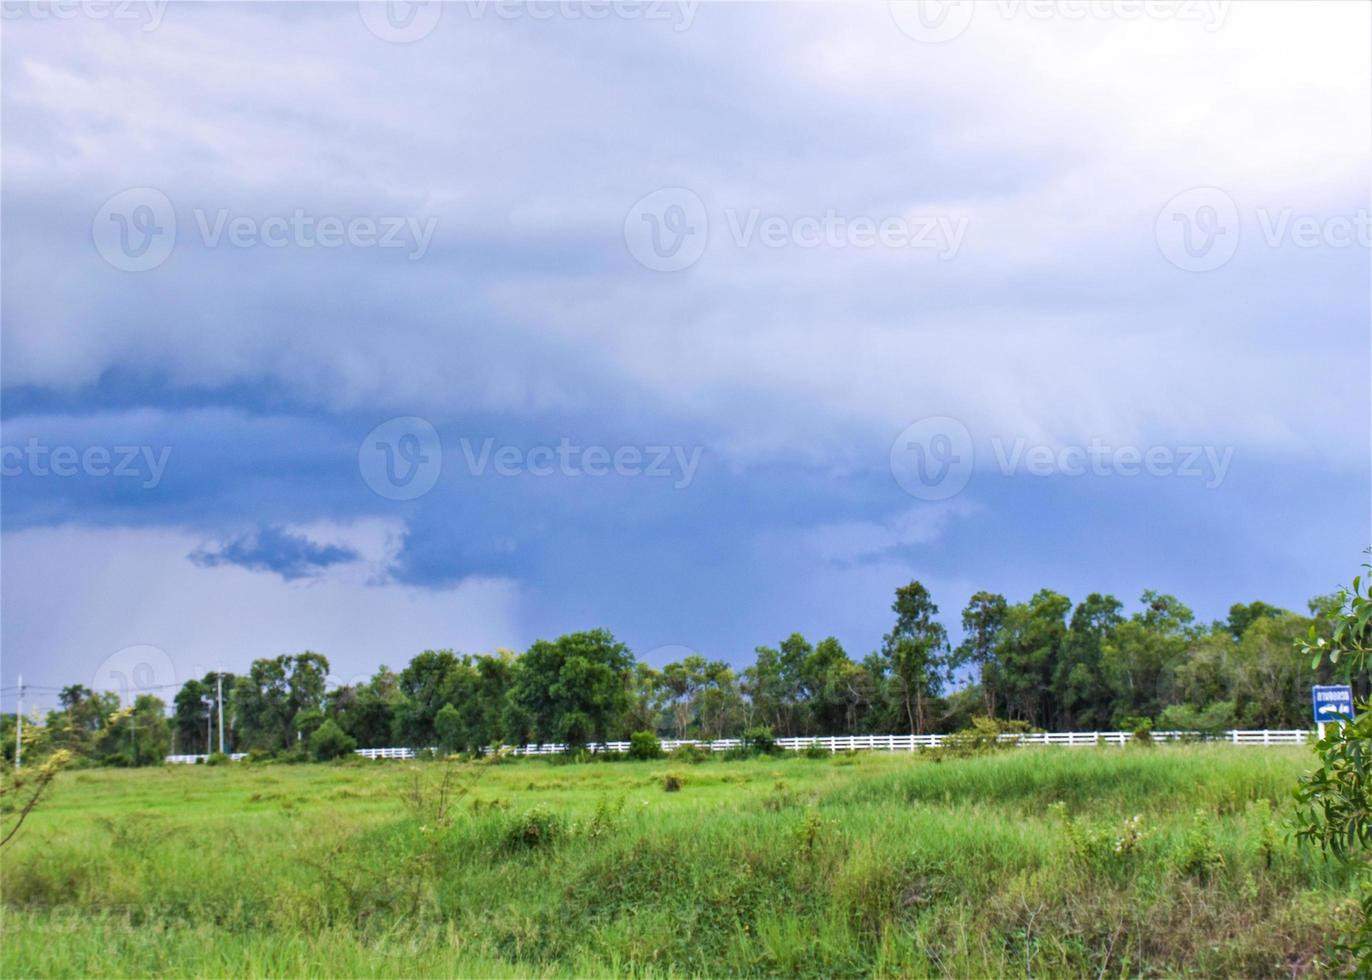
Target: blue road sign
(1332,702)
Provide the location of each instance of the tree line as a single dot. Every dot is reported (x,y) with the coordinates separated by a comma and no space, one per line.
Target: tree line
(1046,662)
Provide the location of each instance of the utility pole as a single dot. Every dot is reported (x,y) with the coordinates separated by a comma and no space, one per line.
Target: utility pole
(219,689)
(209,720)
(19,724)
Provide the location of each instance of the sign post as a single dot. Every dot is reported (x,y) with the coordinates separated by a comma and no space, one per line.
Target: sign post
(1332,702)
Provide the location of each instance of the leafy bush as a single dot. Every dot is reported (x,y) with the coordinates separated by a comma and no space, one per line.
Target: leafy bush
(535,828)
(761,739)
(691,754)
(1098,845)
(1199,854)
(758,740)
(984,736)
(1213,719)
(297,753)
(816,752)
(644,745)
(606,819)
(216,759)
(329,741)
(672,782)
(1335,800)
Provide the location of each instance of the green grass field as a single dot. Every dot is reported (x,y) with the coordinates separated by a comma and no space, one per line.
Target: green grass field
(1071,862)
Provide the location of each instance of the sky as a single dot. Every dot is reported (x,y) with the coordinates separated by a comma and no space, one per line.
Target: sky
(375,328)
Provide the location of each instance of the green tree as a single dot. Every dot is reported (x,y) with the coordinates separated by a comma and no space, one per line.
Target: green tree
(680,686)
(574,689)
(138,735)
(1027,648)
(450,729)
(426,687)
(883,710)
(328,741)
(262,705)
(1336,799)
(79,724)
(1080,692)
(1142,655)
(853,686)
(1271,688)
(307,681)
(766,688)
(916,653)
(981,624)
(276,690)
(306,722)
(824,678)
(494,675)
(721,703)
(1243,615)
(644,696)
(191,717)
(368,712)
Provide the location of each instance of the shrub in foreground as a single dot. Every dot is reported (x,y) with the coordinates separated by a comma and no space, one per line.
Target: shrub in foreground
(537,827)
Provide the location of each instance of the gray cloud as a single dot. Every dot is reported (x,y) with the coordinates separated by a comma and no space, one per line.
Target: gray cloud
(274,549)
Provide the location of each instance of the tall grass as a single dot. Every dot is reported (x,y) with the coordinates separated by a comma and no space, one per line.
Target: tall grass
(1068,862)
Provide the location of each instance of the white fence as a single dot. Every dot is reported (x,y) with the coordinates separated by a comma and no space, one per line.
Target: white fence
(905,743)
(878,743)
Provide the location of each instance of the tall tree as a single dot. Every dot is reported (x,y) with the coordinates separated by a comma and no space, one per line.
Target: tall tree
(1242,615)
(981,622)
(680,686)
(262,705)
(138,735)
(367,712)
(1027,648)
(1141,657)
(425,685)
(191,721)
(916,652)
(1271,686)
(81,720)
(1080,692)
(574,689)
(823,687)
(644,694)
(308,680)
(721,704)
(769,690)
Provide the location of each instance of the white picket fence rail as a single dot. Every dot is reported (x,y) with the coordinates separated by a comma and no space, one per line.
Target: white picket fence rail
(904,743)
(879,743)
